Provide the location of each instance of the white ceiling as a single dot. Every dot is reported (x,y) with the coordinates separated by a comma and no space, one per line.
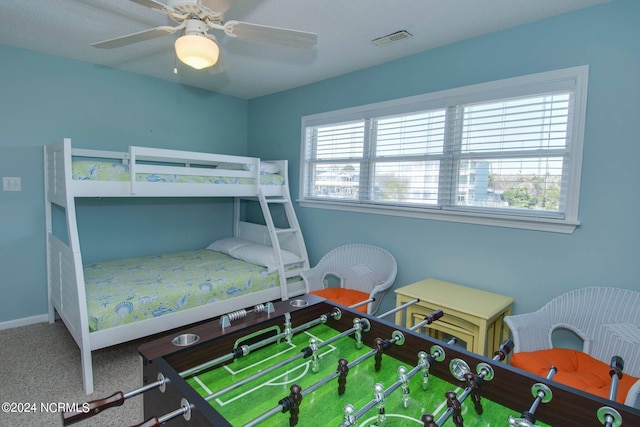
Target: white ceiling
(345,29)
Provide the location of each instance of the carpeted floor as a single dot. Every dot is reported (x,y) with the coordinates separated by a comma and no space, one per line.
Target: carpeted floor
(40,366)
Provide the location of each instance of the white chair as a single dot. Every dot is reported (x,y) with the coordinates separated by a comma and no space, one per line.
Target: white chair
(607,320)
(364,271)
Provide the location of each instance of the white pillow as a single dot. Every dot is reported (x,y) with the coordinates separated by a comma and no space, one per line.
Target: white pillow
(262,255)
(269,167)
(227,245)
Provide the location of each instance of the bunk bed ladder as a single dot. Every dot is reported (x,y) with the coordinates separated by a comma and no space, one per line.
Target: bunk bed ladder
(289,239)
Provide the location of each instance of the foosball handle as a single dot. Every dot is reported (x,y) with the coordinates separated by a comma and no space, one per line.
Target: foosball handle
(437,314)
(504,350)
(617,366)
(93,408)
(151,422)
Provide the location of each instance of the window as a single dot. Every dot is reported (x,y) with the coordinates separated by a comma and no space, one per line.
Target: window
(503,153)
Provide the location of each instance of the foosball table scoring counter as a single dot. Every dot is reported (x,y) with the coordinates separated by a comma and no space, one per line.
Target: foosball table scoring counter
(309,362)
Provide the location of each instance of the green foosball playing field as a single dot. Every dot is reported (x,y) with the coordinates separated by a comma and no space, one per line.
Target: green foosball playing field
(241,401)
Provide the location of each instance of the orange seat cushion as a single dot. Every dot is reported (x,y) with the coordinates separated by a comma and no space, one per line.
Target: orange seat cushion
(575,369)
(343,296)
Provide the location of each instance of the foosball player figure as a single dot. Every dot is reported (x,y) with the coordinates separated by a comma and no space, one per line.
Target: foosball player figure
(287,328)
(343,369)
(357,325)
(474,382)
(406,393)
(454,404)
(428,421)
(291,404)
(313,346)
(349,417)
(424,361)
(378,395)
(378,344)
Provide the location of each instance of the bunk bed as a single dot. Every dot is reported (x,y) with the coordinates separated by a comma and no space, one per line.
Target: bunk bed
(108,303)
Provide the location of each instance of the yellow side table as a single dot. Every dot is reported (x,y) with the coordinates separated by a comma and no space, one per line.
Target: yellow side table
(471,315)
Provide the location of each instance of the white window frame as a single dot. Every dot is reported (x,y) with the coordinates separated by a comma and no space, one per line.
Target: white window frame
(574,79)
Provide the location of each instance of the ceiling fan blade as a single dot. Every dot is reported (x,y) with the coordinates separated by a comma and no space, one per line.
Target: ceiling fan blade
(152,4)
(265,33)
(136,37)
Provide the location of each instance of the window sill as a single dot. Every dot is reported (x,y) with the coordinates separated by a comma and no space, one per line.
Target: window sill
(509,221)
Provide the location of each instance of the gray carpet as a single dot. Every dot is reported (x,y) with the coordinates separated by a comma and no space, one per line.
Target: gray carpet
(41,364)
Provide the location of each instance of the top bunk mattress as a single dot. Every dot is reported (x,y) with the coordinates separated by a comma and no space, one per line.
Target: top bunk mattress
(128,290)
(109,170)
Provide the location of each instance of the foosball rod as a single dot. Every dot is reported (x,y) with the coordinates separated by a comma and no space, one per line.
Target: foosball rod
(542,394)
(280,407)
(185,409)
(304,353)
(226,319)
(361,303)
(398,308)
(360,324)
(383,315)
(118,398)
(244,350)
(617,366)
(437,354)
(428,320)
(423,362)
(396,337)
(608,416)
(485,370)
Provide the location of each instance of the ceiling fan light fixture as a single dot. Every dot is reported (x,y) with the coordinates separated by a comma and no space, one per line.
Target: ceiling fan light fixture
(197,51)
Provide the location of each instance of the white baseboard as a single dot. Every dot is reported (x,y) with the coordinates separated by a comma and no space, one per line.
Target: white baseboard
(24,321)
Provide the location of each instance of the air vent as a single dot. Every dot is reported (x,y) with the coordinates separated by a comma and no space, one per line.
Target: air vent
(391,38)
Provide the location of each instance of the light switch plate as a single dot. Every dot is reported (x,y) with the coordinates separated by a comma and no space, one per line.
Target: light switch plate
(11,183)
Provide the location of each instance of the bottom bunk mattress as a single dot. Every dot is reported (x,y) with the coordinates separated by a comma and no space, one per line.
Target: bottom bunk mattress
(128,290)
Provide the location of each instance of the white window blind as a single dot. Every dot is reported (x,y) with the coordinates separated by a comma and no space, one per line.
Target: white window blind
(513,154)
(505,150)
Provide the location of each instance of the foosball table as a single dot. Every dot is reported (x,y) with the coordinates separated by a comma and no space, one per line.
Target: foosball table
(309,362)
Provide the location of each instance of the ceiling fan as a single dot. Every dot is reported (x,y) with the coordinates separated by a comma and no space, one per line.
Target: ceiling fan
(196,47)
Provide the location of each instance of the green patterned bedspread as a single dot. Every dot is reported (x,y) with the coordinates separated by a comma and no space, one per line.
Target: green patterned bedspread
(127,290)
(97,170)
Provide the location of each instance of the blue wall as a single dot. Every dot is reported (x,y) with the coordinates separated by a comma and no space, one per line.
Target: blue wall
(530,266)
(46,98)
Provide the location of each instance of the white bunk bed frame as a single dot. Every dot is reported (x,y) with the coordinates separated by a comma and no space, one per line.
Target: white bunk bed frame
(65,278)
